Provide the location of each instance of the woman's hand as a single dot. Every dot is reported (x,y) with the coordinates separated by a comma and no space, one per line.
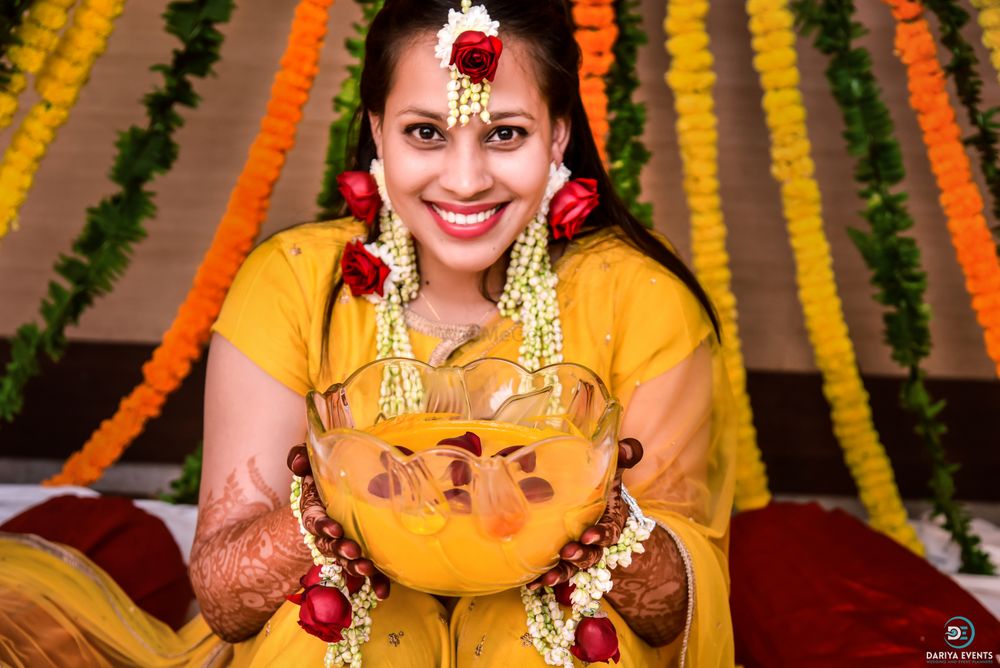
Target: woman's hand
(585,552)
(329,534)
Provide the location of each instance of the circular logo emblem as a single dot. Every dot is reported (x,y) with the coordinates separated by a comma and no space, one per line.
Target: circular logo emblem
(959,632)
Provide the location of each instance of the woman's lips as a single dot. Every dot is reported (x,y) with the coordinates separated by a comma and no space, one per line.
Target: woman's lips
(466,222)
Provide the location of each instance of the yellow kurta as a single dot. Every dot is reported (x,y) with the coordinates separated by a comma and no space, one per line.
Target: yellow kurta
(623,315)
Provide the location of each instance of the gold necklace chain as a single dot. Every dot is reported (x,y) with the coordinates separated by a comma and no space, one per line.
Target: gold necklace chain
(427,300)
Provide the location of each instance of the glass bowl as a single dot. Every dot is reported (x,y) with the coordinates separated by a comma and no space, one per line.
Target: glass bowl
(440,518)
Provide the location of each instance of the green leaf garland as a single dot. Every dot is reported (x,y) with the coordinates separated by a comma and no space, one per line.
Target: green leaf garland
(893,258)
(100,255)
(963,68)
(627,118)
(345,104)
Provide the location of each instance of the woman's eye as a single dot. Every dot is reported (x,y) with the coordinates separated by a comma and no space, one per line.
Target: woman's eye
(507,134)
(423,132)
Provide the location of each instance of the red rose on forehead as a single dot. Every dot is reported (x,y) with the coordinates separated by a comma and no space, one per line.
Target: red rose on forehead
(361,194)
(476,55)
(363,272)
(325,612)
(571,206)
(596,640)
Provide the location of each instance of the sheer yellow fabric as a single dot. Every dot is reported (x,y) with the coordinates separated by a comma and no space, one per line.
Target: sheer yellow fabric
(624,316)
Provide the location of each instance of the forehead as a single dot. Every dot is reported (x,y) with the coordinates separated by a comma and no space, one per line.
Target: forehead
(420,81)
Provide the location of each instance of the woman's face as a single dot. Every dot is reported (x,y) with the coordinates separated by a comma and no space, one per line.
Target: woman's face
(466,193)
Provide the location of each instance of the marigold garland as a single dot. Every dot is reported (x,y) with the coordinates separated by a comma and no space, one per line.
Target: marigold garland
(988,17)
(777,65)
(35,39)
(892,255)
(596,32)
(692,81)
(963,68)
(100,253)
(248,204)
(960,197)
(59,82)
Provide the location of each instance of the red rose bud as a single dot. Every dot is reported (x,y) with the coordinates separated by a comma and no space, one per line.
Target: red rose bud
(527,462)
(361,194)
(468,441)
(476,55)
(363,273)
(353,582)
(571,206)
(562,592)
(596,640)
(312,577)
(325,613)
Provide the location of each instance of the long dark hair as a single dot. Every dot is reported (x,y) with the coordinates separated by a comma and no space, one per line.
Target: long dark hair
(546,27)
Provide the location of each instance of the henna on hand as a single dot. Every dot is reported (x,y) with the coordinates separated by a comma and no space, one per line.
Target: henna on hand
(242,569)
(329,533)
(587,551)
(651,594)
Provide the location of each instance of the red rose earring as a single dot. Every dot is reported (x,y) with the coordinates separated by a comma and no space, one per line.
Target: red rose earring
(571,206)
(360,191)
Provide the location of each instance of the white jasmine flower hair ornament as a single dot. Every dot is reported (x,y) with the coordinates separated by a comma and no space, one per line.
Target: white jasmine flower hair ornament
(468,46)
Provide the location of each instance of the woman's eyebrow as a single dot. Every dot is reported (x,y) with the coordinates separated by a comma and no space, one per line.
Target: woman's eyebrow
(416,111)
(513,113)
(498,116)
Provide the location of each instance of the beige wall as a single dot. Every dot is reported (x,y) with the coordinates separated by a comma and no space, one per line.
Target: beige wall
(214,141)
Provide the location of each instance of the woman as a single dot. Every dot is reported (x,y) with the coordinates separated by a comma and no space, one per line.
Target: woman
(465,188)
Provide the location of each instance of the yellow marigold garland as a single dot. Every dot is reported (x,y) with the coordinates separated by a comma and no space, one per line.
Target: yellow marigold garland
(63,74)
(247,208)
(988,16)
(38,36)
(692,81)
(777,64)
(596,32)
(960,196)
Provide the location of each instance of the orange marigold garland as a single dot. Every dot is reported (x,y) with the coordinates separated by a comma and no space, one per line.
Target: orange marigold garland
(247,208)
(596,32)
(960,196)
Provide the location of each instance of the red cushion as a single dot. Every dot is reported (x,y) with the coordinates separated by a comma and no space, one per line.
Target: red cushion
(817,588)
(135,548)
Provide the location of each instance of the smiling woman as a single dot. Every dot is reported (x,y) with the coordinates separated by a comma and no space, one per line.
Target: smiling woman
(475,233)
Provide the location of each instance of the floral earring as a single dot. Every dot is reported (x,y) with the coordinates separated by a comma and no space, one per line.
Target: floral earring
(570,207)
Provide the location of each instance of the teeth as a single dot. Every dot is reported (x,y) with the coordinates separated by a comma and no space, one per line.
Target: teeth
(462,219)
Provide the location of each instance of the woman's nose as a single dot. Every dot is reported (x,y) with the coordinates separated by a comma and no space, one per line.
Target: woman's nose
(466,172)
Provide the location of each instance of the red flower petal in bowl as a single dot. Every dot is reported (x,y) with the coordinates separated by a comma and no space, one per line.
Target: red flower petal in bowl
(379,486)
(536,490)
(468,441)
(459,500)
(527,462)
(460,472)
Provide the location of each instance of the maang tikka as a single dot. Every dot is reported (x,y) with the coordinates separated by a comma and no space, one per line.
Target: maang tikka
(468,46)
